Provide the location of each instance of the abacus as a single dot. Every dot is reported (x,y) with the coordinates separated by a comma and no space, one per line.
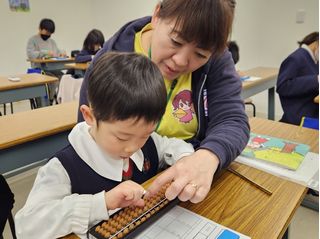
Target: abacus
(128,222)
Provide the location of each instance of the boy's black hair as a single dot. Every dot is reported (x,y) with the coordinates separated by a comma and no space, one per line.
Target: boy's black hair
(126,85)
(47,24)
(94,37)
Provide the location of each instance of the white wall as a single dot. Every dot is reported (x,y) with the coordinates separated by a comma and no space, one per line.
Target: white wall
(266,31)
(73,19)
(110,15)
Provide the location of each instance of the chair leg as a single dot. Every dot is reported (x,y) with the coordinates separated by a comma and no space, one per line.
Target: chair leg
(253,106)
(12,227)
(4,109)
(33,104)
(11,105)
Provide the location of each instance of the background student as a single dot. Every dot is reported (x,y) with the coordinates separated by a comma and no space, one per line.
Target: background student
(187,40)
(298,81)
(41,46)
(92,43)
(109,155)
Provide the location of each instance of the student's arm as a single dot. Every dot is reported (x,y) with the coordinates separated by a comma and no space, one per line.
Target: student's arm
(32,50)
(83,57)
(291,81)
(170,150)
(51,211)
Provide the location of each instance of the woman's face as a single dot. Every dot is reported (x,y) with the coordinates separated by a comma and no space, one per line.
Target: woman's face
(172,54)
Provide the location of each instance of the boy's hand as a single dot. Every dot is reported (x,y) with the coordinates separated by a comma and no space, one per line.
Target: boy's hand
(125,194)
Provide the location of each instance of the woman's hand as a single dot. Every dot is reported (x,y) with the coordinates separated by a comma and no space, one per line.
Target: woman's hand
(191,177)
(125,194)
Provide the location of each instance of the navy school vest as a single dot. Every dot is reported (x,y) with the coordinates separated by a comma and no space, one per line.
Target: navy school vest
(84,180)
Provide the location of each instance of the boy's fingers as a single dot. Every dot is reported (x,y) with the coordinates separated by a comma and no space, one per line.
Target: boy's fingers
(166,177)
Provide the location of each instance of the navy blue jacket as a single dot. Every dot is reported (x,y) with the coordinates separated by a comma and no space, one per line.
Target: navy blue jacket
(223,128)
(297,86)
(84,180)
(83,56)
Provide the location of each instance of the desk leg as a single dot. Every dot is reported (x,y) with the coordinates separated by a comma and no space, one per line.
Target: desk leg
(44,100)
(271,100)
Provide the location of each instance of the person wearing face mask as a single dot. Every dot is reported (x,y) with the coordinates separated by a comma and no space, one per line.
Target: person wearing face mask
(298,81)
(91,45)
(42,46)
(187,40)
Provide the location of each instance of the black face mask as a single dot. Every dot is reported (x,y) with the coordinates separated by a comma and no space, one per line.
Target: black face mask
(45,37)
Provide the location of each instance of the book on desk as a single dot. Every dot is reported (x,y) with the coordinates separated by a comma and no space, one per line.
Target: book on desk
(281,152)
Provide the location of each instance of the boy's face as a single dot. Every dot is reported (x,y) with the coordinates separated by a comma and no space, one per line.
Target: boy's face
(120,139)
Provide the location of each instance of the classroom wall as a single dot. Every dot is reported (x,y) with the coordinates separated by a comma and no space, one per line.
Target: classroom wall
(266,31)
(73,19)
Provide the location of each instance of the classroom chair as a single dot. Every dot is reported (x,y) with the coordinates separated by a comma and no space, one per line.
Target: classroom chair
(249,102)
(5,108)
(74,53)
(311,123)
(69,89)
(7,201)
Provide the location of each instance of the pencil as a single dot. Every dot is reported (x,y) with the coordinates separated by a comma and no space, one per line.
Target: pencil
(263,189)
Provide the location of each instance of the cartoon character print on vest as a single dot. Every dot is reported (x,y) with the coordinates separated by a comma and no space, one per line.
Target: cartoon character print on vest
(183,107)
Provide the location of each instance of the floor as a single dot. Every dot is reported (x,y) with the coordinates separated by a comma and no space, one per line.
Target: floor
(305,223)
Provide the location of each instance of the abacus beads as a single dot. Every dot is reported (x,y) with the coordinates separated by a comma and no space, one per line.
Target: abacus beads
(124,221)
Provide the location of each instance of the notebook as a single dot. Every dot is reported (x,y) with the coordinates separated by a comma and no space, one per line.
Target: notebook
(281,152)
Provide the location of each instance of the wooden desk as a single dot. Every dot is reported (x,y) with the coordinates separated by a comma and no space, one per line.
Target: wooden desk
(267,82)
(79,68)
(235,203)
(51,63)
(30,86)
(316,100)
(32,136)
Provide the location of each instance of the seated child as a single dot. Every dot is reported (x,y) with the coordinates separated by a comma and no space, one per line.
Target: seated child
(109,155)
(93,42)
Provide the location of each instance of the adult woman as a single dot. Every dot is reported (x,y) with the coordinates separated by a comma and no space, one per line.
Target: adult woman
(187,40)
(92,43)
(298,81)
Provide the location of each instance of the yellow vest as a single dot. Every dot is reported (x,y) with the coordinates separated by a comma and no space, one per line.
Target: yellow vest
(179,120)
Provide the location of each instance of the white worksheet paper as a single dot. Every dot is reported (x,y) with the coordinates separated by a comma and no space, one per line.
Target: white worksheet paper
(180,223)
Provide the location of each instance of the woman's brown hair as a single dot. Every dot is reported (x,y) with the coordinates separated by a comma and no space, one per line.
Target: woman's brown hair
(207,23)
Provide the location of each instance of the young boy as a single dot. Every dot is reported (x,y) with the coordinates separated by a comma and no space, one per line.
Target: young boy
(109,155)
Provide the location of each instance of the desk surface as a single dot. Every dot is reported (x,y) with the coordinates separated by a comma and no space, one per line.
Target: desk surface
(266,74)
(52,60)
(235,203)
(78,66)
(27,80)
(31,125)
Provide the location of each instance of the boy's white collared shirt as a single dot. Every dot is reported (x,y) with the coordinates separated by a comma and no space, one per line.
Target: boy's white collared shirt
(51,198)
(99,161)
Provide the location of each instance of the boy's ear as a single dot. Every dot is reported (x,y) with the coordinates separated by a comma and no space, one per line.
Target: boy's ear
(87,114)
(155,16)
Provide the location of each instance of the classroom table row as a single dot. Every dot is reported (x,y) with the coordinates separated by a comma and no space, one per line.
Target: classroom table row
(232,201)
(34,85)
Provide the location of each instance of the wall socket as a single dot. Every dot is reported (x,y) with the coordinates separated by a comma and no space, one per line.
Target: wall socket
(300,16)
